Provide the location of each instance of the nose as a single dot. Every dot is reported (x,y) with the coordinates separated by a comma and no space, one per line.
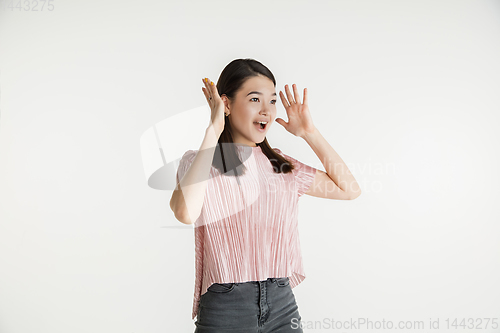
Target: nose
(265,111)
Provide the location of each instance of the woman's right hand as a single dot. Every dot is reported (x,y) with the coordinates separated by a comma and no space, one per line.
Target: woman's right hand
(216,105)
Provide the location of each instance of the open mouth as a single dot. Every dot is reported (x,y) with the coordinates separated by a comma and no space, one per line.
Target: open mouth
(260,127)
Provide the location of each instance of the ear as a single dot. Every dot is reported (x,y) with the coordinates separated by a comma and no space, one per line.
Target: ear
(225,100)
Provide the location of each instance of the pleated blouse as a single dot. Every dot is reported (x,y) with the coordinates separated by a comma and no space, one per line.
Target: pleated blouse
(248,229)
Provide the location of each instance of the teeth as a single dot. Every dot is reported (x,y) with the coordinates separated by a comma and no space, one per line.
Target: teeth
(262,122)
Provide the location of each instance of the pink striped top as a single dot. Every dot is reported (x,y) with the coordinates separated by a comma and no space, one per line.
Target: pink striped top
(248,231)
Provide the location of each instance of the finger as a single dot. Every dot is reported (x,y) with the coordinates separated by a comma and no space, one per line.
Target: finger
(281,122)
(204,83)
(306,99)
(207,89)
(296,93)
(212,87)
(289,95)
(205,93)
(283,100)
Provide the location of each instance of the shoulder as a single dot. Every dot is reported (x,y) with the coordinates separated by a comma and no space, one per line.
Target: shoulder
(189,153)
(188,157)
(278,151)
(286,156)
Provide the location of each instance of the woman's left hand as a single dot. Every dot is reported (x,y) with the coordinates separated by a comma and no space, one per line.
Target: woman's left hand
(299,118)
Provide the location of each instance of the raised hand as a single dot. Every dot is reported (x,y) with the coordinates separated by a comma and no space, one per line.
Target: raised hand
(299,118)
(216,105)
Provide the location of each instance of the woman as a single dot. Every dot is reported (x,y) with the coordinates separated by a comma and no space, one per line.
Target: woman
(242,196)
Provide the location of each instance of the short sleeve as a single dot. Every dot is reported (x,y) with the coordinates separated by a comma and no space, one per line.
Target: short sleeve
(184,164)
(304,174)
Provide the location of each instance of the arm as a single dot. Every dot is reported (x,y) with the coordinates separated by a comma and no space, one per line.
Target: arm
(189,194)
(337,182)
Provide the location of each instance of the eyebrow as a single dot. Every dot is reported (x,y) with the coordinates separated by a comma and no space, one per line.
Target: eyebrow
(258,93)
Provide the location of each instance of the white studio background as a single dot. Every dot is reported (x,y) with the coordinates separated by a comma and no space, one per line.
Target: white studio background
(407,92)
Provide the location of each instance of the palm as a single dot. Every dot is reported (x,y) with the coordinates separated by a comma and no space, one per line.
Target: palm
(299,118)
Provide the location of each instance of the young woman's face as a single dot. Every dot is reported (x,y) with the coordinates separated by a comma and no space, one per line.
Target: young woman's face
(255,101)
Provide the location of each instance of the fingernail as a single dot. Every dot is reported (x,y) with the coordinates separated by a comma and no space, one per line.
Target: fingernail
(212,83)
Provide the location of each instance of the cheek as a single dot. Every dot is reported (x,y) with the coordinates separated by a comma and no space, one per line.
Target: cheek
(244,124)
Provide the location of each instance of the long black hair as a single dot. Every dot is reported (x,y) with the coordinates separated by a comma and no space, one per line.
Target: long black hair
(231,79)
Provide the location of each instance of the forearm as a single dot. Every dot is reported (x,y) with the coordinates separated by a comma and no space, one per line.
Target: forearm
(187,198)
(335,167)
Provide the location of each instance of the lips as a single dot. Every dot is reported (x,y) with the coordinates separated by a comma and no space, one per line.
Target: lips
(259,127)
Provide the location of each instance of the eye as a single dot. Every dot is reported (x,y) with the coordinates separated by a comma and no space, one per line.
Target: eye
(258,98)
